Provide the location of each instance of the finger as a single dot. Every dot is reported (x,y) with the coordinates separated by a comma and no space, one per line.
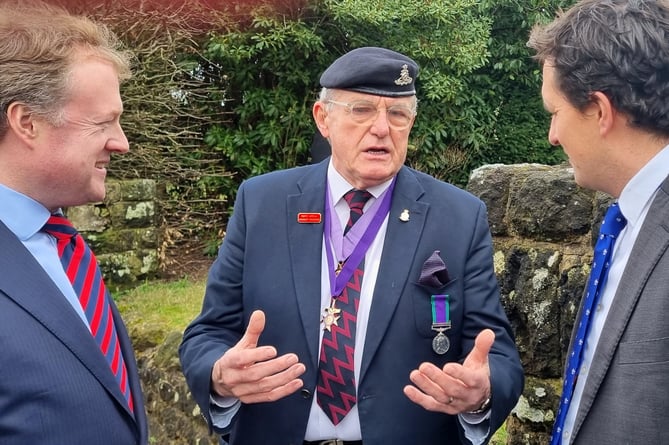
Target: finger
(474,371)
(428,402)
(427,385)
(253,330)
(231,379)
(478,357)
(272,387)
(275,394)
(445,381)
(270,367)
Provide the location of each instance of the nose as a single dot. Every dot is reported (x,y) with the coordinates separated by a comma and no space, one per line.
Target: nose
(380,126)
(118,142)
(552,134)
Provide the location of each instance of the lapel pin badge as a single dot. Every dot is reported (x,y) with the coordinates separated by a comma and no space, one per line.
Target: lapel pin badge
(404,216)
(309,218)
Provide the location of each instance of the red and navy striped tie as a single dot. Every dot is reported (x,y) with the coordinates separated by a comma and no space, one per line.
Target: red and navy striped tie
(82,269)
(356,200)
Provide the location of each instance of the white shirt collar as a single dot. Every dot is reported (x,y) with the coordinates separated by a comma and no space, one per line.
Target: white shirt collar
(640,190)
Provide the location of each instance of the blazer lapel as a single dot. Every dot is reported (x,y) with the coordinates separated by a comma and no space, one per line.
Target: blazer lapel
(305,249)
(401,242)
(33,290)
(651,243)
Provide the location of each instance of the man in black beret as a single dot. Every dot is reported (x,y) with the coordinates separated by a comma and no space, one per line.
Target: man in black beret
(354,300)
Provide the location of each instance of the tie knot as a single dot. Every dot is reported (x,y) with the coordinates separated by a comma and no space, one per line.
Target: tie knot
(356,199)
(613,222)
(59,227)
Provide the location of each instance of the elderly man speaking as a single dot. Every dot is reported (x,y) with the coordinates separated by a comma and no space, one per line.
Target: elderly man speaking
(354,300)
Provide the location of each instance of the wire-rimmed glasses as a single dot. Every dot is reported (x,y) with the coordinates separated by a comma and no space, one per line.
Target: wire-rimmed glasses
(364,112)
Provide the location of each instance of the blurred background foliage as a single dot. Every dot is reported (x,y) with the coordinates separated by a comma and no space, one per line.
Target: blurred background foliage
(223,89)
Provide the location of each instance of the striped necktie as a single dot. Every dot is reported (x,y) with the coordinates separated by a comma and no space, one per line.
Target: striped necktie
(83,272)
(356,200)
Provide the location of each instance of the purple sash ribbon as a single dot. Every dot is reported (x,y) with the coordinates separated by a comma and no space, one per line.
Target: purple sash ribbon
(338,281)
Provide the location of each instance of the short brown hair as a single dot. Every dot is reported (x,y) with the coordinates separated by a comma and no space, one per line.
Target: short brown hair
(617,47)
(39,44)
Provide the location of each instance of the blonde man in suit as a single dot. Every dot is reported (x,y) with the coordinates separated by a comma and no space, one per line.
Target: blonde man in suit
(59,127)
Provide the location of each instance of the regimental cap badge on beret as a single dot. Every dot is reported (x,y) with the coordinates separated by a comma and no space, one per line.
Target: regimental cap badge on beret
(405,78)
(372,70)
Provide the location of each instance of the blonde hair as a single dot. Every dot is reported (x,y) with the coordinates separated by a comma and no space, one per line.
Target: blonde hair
(39,45)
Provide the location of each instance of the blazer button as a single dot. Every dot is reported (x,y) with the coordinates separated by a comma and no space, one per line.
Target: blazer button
(306,394)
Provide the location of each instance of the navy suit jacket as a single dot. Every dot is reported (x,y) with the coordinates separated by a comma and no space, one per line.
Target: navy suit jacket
(268,261)
(56,387)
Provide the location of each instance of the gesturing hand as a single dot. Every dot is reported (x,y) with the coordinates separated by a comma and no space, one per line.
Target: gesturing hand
(456,388)
(255,374)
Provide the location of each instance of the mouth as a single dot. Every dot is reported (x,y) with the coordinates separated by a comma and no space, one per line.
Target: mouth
(101,165)
(377,151)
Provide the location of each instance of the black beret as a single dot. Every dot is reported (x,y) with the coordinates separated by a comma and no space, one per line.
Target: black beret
(372,70)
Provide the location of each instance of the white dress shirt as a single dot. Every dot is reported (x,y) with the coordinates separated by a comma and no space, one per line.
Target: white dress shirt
(319,425)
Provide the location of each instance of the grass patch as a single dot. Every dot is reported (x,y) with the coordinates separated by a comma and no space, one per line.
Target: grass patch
(158,308)
(500,437)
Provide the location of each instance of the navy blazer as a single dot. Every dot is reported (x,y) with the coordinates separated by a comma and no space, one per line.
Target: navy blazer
(268,261)
(56,387)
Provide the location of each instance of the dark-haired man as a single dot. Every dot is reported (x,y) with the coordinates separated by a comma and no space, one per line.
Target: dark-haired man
(605,84)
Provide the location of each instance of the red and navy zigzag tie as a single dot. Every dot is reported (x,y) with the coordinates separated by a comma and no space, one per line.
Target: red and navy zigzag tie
(82,269)
(336,389)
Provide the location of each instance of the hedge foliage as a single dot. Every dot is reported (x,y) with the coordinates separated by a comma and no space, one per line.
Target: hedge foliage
(223,90)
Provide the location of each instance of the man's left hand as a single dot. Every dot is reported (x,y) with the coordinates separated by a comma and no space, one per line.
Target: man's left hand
(456,388)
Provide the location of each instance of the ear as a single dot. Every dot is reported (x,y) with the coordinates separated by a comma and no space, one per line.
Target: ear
(21,121)
(606,113)
(320,115)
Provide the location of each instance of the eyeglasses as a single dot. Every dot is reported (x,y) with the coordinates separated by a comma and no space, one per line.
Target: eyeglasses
(363,112)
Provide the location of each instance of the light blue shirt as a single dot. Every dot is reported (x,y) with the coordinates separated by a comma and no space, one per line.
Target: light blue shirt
(24,217)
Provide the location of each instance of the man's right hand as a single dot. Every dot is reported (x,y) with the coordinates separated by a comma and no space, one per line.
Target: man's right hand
(255,374)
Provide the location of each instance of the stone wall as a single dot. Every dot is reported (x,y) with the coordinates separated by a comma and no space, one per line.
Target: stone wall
(123,231)
(542,225)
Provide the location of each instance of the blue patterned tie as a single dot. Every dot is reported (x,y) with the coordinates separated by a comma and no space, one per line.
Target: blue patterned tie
(84,274)
(613,223)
